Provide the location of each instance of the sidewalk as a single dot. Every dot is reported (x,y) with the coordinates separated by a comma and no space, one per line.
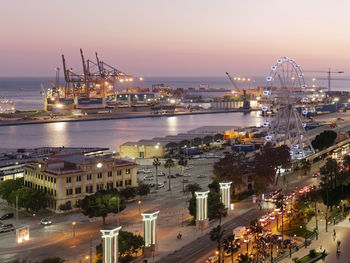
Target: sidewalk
(328,242)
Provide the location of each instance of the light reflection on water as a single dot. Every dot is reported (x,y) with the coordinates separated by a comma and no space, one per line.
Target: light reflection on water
(112,133)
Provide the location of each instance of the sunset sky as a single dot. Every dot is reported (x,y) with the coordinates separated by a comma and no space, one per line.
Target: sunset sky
(174,37)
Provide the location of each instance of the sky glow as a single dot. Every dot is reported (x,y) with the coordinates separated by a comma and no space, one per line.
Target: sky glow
(173,38)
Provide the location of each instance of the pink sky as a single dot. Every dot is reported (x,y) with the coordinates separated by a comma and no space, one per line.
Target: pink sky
(174,37)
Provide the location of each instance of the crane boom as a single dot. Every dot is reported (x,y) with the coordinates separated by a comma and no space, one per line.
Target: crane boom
(232,81)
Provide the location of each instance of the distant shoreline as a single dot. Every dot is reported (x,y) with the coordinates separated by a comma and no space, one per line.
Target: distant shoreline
(115,116)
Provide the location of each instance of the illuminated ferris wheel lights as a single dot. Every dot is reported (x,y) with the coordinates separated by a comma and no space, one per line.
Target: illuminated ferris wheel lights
(296,66)
(305,112)
(300,75)
(279,61)
(266,124)
(303,86)
(273,67)
(305,99)
(267,93)
(268,138)
(269,78)
(264,108)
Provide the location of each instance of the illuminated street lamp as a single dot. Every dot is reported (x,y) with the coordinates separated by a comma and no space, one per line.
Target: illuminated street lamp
(139,203)
(73,225)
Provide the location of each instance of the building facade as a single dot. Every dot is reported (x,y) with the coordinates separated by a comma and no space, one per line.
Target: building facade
(71,178)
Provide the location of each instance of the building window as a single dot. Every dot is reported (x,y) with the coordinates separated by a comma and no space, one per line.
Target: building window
(41,177)
(69,191)
(78,190)
(78,178)
(110,186)
(89,189)
(121,183)
(55,192)
(88,177)
(99,175)
(119,172)
(110,174)
(99,187)
(54,180)
(51,179)
(127,171)
(129,181)
(68,180)
(45,178)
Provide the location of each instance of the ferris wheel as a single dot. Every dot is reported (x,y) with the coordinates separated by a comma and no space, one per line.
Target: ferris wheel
(285,88)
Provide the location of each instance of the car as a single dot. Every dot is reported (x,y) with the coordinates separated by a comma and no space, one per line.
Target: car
(160,185)
(147,171)
(212,259)
(7,228)
(45,222)
(148,178)
(172,176)
(161,174)
(178,175)
(6,216)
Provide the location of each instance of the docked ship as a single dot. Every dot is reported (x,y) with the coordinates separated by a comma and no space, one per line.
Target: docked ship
(97,86)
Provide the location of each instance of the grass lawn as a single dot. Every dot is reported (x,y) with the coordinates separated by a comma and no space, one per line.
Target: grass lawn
(308,257)
(294,228)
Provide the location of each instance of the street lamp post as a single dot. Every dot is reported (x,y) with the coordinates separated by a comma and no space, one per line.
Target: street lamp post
(73,225)
(139,203)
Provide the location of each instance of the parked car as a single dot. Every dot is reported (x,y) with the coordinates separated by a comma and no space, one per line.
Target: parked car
(160,185)
(6,216)
(45,222)
(178,175)
(148,178)
(161,174)
(7,228)
(147,171)
(172,176)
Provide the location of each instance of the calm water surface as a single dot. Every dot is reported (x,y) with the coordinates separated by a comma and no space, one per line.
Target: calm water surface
(112,133)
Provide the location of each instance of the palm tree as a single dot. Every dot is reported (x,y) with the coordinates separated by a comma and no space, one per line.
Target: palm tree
(216,234)
(192,188)
(243,258)
(169,164)
(229,245)
(156,163)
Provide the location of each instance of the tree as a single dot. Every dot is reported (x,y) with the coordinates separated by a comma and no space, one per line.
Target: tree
(230,168)
(101,204)
(28,198)
(216,235)
(260,184)
(128,192)
(196,141)
(218,136)
(143,189)
(207,139)
(156,164)
(324,140)
(216,208)
(214,186)
(128,244)
(192,188)
(243,258)
(9,186)
(229,245)
(280,203)
(192,207)
(168,165)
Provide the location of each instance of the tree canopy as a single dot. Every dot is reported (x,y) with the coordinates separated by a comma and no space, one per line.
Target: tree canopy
(324,140)
(101,204)
(9,186)
(30,199)
(192,188)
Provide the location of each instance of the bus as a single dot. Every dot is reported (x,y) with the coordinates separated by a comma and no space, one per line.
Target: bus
(336,154)
(345,148)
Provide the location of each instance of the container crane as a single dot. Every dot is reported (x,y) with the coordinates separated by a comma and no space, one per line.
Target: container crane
(246,103)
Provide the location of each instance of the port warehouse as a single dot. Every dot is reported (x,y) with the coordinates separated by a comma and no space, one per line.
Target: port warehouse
(189,143)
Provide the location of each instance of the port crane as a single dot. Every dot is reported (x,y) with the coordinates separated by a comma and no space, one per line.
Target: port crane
(329,72)
(246,104)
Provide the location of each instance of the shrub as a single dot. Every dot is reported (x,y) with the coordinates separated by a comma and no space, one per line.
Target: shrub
(66,206)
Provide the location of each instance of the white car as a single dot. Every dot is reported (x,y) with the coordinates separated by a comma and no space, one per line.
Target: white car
(148,178)
(147,171)
(45,222)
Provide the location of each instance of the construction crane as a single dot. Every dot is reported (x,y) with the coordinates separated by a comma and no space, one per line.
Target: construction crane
(246,103)
(329,72)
